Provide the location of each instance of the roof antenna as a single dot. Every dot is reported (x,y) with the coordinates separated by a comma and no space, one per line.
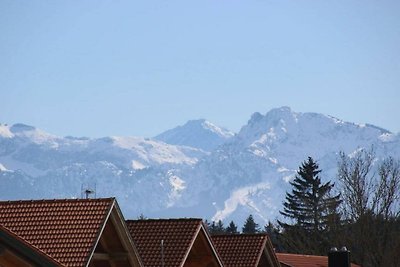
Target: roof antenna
(88,191)
(162,252)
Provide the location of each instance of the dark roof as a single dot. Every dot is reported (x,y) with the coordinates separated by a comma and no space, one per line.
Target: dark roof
(300,260)
(240,249)
(178,236)
(66,230)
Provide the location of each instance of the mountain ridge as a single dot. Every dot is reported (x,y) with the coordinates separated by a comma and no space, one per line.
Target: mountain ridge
(246,173)
(200,134)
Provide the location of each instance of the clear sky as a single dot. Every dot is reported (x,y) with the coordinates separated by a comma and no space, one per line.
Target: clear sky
(97,68)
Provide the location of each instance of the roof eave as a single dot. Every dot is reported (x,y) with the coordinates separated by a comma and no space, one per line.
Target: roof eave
(129,237)
(270,247)
(201,227)
(212,245)
(100,233)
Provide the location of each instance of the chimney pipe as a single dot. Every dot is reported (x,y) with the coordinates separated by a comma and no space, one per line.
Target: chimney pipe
(339,258)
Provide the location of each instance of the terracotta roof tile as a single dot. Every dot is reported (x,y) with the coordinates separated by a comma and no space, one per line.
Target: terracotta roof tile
(6,232)
(299,260)
(66,230)
(241,250)
(178,235)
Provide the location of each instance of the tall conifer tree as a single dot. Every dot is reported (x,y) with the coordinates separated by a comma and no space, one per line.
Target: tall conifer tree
(310,207)
(250,226)
(216,228)
(232,228)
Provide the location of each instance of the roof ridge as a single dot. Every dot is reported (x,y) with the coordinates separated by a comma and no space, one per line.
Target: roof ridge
(163,219)
(301,255)
(240,234)
(56,200)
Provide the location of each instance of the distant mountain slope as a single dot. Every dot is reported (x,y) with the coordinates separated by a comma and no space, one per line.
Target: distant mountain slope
(200,134)
(245,173)
(250,173)
(23,144)
(35,164)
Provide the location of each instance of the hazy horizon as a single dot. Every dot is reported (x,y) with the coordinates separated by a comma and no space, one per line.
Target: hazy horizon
(100,68)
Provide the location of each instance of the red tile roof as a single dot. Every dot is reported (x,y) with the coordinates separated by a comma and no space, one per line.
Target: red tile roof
(240,250)
(66,230)
(19,244)
(178,236)
(299,260)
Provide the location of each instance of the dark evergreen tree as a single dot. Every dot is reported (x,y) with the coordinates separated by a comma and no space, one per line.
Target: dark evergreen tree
(274,235)
(310,208)
(216,228)
(250,226)
(232,228)
(220,227)
(212,227)
(207,224)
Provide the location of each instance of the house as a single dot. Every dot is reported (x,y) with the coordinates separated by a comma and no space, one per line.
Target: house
(69,232)
(299,260)
(246,250)
(173,243)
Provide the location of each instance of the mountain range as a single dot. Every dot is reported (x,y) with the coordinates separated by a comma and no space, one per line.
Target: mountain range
(194,170)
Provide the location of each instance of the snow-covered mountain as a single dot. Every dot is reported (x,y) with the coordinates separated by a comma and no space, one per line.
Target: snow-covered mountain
(35,164)
(22,145)
(200,134)
(239,174)
(250,173)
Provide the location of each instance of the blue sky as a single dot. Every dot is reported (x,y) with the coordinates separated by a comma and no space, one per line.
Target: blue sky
(97,68)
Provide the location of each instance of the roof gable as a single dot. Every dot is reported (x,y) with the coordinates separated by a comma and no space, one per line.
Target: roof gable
(245,250)
(202,251)
(178,236)
(66,230)
(114,246)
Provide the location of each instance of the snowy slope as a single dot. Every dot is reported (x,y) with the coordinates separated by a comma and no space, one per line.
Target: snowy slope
(22,145)
(250,173)
(35,164)
(245,173)
(200,134)
(285,138)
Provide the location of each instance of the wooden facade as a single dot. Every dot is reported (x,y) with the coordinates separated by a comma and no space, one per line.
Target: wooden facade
(202,253)
(114,247)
